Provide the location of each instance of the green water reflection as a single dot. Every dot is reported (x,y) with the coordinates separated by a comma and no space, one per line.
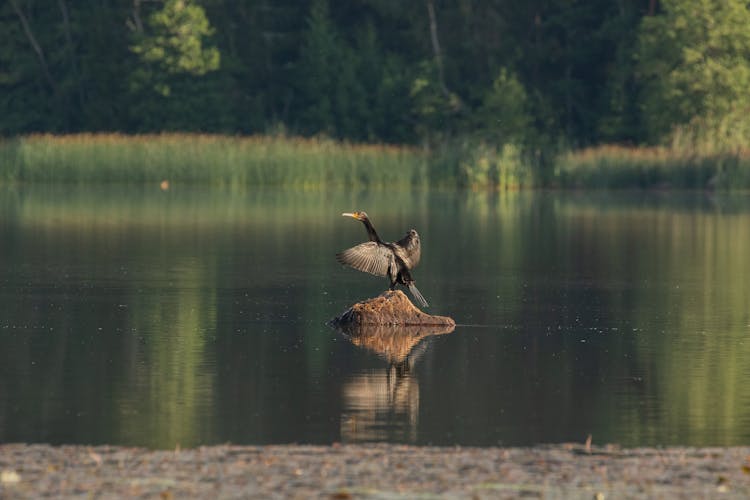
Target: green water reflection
(135,316)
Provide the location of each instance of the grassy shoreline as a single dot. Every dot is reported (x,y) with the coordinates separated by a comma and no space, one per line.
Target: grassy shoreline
(233,161)
(207,159)
(613,167)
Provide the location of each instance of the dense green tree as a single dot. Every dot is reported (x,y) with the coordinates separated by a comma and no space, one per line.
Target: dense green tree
(568,57)
(174,42)
(63,65)
(617,109)
(348,87)
(372,70)
(694,59)
(98,30)
(317,72)
(22,84)
(169,84)
(385,82)
(503,115)
(39,84)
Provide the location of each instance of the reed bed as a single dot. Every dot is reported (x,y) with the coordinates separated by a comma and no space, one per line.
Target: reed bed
(616,167)
(230,161)
(208,160)
(484,166)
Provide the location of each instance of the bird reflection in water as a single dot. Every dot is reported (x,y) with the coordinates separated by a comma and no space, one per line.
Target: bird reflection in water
(384,404)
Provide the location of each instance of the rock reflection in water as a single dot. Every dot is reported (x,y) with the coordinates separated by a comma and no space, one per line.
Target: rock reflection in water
(384,404)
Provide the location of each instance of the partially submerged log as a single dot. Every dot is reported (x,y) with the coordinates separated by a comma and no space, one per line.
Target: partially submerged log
(390,308)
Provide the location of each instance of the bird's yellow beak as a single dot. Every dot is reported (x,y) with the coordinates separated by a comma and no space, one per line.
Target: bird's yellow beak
(354,215)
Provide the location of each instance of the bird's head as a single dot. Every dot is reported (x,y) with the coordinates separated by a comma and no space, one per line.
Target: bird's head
(412,238)
(360,216)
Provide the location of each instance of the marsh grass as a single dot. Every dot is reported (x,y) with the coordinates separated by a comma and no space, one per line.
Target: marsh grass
(230,161)
(479,165)
(209,160)
(616,167)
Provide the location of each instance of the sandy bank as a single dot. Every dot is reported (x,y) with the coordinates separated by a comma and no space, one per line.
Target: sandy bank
(373,471)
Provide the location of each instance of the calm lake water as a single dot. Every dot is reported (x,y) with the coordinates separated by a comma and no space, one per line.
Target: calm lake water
(139,317)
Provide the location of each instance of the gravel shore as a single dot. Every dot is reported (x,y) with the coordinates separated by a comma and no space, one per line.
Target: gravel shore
(373,471)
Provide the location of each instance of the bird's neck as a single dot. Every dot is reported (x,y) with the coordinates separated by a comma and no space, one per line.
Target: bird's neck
(371,231)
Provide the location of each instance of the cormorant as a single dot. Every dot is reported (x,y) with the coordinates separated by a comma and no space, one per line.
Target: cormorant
(381,258)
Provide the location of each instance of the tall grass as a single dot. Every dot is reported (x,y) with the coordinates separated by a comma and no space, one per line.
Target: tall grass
(653,167)
(317,163)
(208,159)
(480,165)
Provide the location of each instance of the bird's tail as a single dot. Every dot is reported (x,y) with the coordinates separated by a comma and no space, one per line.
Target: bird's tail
(417,295)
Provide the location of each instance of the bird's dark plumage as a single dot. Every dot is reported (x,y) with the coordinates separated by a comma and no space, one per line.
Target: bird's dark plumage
(395,260)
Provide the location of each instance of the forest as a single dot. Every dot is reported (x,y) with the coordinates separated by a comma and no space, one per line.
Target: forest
(540,76)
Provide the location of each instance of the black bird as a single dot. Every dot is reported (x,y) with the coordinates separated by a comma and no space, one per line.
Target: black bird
(382,258)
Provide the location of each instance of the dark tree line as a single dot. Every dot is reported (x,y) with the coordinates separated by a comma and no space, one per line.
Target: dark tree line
(578,71)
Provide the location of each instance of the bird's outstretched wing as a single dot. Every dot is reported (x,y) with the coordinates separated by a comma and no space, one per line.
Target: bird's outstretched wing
(369,257)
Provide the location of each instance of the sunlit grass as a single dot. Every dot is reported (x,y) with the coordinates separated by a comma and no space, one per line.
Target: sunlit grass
(233,161)
(653,167)
(208,160)
(483,166)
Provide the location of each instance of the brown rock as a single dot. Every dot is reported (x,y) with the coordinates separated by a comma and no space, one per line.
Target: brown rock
(390,308)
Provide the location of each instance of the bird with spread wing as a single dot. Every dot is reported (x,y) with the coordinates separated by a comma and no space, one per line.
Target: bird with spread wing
(394,260)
